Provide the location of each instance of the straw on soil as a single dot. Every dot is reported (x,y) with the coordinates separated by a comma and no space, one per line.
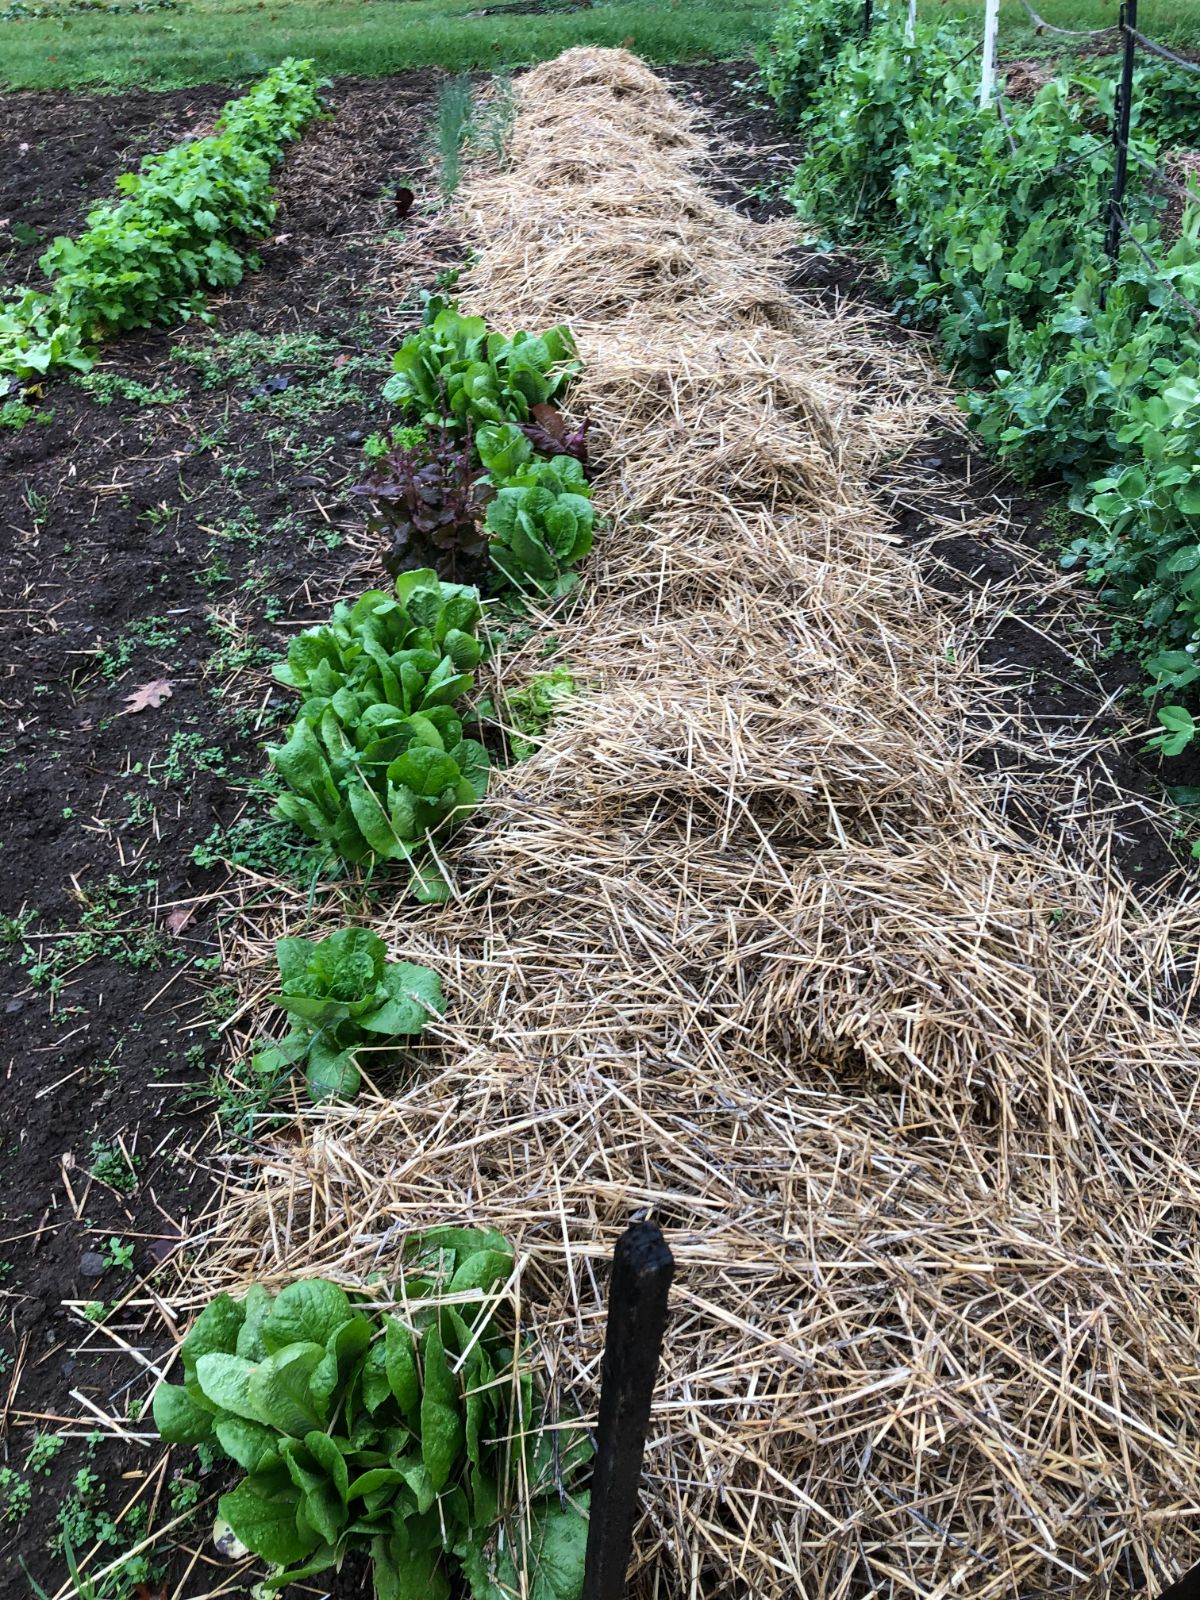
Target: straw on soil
(750,946)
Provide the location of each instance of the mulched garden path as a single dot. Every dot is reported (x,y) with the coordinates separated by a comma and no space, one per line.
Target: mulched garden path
(160,535)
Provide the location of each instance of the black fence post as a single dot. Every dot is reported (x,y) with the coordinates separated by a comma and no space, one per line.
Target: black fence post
(1124,109)
(637,1318)
(1185,1588)
(868,7)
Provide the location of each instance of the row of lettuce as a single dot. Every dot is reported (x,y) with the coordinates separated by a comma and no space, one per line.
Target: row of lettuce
(405,1422)
(990,226)
(482,479)
(402,1420)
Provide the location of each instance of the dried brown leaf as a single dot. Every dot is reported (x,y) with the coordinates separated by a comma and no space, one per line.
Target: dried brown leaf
(150,694)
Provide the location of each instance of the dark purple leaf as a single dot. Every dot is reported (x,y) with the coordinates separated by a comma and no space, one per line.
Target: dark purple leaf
(551,435)
(431,499)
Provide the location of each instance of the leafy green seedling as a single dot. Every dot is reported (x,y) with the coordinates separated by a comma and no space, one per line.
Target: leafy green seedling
(345,997)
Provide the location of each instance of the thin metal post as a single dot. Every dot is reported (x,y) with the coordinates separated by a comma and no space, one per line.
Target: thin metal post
(1124,108)
(910,23)
(867,9)
(637,1318)
(987,78)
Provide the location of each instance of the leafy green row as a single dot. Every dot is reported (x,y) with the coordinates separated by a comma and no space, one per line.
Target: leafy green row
(473,495)
(416,1435)
(376,762)
(992,233)
(148,257)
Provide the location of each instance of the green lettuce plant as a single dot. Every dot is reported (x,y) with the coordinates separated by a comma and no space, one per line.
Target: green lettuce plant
(345,997)
(413,1430)
(452,369)
(412,649)
(376,763)
(541,524)
(529,711)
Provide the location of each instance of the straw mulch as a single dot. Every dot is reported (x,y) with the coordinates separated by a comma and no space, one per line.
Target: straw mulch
(750,947)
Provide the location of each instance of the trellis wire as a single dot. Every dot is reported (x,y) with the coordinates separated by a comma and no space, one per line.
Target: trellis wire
(1043,26)
(1165,178)
(1187,304)
(1156,49)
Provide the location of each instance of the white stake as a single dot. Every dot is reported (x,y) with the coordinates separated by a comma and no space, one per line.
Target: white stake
(910,27)
(991,20)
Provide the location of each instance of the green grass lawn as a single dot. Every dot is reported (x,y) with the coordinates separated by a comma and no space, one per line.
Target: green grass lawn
(1174,22)
(229,41)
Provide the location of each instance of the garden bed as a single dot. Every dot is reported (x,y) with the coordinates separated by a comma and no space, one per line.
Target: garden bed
(166,523)
(798,931)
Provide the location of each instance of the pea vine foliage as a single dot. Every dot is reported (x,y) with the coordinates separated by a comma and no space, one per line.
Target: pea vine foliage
(176,231)
(350,1008)
(991,233)
(409,1428)
(376,764)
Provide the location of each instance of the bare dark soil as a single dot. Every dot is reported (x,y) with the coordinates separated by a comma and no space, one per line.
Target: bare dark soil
(170,533)
(169,525)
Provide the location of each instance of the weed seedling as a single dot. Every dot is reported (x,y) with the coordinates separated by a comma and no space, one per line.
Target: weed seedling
(118,1254)
(16,1496)
(113,1168)
(44,1452)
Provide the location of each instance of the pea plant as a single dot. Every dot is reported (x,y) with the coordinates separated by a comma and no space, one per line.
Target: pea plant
(991,232)
(407,1426)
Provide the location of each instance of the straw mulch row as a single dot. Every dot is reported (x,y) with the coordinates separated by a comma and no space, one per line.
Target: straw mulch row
(747,947)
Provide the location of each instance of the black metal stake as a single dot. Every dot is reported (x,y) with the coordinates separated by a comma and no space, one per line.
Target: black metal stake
(1128,24)
(868,6)
(637,1318)
(1185,1588)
